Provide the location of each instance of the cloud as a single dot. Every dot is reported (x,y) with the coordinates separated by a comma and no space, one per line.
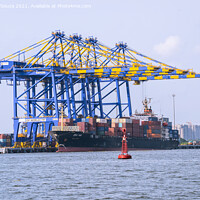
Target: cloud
(168,47)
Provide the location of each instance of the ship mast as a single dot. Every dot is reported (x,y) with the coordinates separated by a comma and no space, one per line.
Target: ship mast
(147,110)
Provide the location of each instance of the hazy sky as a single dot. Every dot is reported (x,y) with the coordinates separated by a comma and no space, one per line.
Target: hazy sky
(166,30)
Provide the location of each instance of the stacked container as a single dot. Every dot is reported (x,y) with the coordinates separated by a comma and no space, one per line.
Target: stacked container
(83,126)
(5,140)
(115,123)
(152,128)
(102,127)
(112,131)
(137,131)
(8,140)
(175,134)
(66,122)
(92,126)
(125,126)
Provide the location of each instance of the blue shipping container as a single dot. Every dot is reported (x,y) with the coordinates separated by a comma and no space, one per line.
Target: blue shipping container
(100,128)
(155,119)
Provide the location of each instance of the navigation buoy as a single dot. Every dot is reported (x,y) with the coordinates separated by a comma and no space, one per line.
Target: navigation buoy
(124,154)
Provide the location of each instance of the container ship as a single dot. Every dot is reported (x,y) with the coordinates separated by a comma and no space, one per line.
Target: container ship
(143,131)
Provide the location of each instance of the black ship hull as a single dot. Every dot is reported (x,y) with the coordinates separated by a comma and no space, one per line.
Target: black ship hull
(79,142)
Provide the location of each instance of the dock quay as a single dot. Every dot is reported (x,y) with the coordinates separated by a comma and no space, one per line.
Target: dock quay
(27,150)
(189,146)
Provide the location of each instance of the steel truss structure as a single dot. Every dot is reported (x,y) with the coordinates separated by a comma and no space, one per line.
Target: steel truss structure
(78,75)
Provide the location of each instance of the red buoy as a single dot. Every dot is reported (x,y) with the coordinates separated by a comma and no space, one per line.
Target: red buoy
(124,154)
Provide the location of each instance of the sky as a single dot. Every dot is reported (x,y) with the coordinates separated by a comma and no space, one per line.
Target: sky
(168,31)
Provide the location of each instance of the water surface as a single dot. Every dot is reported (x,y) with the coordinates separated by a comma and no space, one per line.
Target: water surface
(165,174)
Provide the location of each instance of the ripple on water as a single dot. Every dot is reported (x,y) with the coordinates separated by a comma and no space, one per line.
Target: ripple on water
(149,175)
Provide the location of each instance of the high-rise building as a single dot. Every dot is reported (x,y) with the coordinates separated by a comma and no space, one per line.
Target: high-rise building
(189,131)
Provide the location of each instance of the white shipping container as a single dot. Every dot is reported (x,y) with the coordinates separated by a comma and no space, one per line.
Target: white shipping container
(66,128)
(129,121)
(101,120)
(115,120)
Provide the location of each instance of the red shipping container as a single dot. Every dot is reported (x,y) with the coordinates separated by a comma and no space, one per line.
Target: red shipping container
(154,127)
(145,122)
(3,136)
(83,126)
(100,124)
(113,131)
(59,124)
(155,123)
(106,125)
(92,122)
(135,121)
(126,125)
(68,120)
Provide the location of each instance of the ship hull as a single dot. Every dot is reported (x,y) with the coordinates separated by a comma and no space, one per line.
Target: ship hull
(83,142)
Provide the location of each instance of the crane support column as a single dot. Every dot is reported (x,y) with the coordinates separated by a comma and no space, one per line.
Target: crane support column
(33,95)
(85,111)
(50,97)
(16,121)
(128,98)
(100,99)
(93,98)
(72,97)
(46,98)
(119,99)
(28,98)
(68,98)
(55,95)
(88,96)
(34,132)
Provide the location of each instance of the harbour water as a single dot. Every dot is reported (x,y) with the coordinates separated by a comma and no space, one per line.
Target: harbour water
(172,174)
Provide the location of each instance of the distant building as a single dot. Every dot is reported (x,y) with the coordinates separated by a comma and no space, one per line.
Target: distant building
(189,131)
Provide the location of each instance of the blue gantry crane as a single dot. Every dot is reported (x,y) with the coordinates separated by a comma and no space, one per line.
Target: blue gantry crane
(77,75)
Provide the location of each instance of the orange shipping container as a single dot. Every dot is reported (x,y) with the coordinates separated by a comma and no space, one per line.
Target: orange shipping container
(115,125)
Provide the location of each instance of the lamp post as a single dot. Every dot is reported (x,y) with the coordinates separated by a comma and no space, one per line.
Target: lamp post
(173,95)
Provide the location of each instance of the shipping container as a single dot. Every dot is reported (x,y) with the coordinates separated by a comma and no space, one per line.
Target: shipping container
(153,119)
(135,121)
(170,124)
(122,120)
(156,131)
(101,128)
(115,120)
(66,121)
(115,125)
(165,119)
(66,128)
(101,120)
